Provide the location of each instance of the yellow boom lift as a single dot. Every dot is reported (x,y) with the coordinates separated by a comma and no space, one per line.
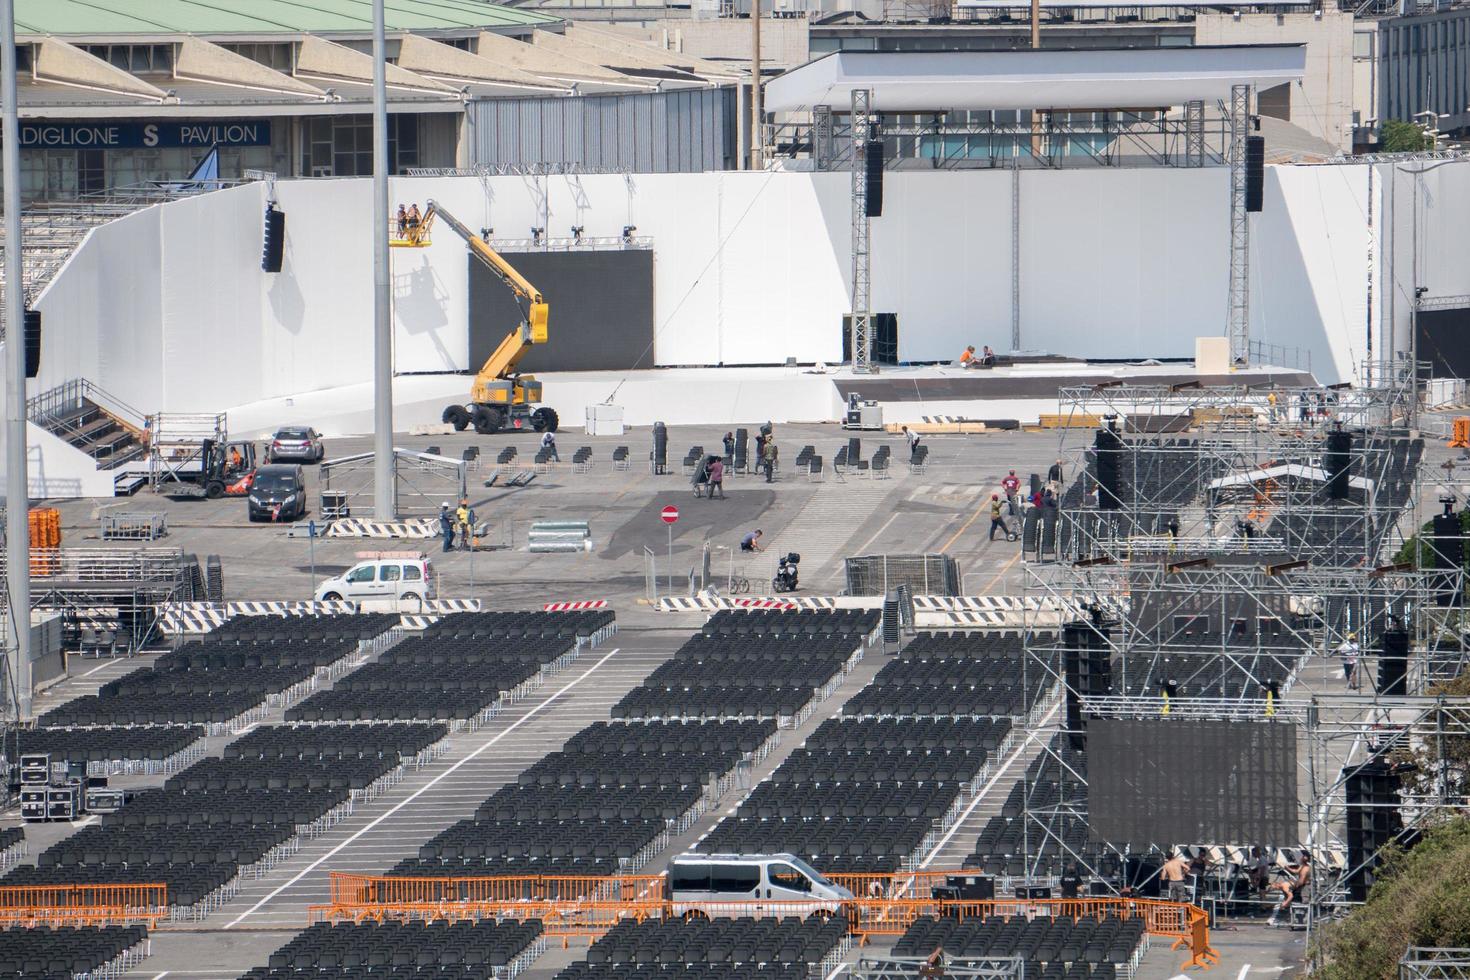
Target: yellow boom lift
(500,397)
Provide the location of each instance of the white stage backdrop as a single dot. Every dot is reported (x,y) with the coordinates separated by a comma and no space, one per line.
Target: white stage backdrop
(168,309)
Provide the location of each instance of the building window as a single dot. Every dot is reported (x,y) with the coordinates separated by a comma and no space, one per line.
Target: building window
(91,171)
(342,146)
(135,58)
(276,56)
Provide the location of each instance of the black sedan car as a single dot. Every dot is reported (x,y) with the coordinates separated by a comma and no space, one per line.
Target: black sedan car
(278,493)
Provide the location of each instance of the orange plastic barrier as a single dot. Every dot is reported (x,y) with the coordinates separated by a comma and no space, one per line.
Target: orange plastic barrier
(1460,433)
(886,905)
(81,905)
(45,530)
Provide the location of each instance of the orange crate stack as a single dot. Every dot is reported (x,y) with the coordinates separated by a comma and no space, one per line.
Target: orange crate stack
(45,525)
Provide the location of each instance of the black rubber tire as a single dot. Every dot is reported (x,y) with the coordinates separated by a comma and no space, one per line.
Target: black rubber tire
(332,597)
(488,421)
(456,416)
(214,489)
(545,420)
(410,597)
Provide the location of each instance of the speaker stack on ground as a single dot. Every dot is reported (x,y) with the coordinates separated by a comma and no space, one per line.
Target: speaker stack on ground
(1373,820)
(661,449)
(1108,448)
(1393,664)
(742,449)
(1087,669)
(873,164)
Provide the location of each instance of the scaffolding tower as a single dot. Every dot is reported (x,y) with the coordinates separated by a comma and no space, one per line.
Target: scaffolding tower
(1248,535)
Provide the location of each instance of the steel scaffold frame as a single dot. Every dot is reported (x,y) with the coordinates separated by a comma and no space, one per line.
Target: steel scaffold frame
(1153,586)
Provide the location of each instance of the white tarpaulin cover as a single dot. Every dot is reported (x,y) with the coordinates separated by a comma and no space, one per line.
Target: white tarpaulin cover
(1132,78)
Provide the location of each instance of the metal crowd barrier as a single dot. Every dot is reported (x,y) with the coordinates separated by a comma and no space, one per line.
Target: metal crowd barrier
(886,905)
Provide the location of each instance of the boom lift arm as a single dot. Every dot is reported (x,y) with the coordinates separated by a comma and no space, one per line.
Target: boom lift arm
(499,395)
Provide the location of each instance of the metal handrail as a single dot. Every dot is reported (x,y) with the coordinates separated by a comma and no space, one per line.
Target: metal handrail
(68,395)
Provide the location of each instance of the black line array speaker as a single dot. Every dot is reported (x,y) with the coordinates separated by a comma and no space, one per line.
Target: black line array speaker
(1393,663)
(33,342)
(1337,460)
(1373,820)
(660,448)
(1108,448)
(742,449)
(1447,551)
(1255,173)
(873,164)
(274,250)
(1087,671)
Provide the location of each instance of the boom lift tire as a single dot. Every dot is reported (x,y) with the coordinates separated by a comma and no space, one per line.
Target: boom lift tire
(456,416)
(544,420)
(488,420)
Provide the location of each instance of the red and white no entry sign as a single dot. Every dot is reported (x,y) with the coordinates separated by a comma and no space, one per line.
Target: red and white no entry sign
(670,514)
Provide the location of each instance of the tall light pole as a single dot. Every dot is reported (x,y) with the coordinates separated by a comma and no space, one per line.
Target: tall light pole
(17,497)
(385,490)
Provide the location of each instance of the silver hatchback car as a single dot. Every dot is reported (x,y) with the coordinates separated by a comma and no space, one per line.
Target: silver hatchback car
(297,444)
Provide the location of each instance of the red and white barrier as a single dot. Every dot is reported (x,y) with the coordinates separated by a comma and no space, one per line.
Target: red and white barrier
(574,606)
(763,604)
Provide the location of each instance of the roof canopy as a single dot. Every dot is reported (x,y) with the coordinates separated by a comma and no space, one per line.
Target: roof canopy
(102,17)
(1135,78)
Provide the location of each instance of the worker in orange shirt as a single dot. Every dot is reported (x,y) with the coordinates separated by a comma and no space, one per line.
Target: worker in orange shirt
(967,359)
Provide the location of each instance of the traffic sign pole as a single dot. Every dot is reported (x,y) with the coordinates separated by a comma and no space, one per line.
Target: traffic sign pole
(670,516)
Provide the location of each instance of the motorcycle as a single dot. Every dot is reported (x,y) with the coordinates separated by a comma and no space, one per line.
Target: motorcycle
(786,575)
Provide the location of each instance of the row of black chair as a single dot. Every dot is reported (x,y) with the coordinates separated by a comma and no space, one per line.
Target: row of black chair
(478,950)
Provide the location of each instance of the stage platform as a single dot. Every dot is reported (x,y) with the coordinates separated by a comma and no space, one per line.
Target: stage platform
(748,395)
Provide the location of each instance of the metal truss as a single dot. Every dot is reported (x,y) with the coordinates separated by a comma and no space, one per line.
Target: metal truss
(1345,734)
(862,313)
(954,968)
(1238,321)
(1057,142)
(546,169)
(1431,963)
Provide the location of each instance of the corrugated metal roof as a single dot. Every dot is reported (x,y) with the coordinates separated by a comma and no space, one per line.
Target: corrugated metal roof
(87,17)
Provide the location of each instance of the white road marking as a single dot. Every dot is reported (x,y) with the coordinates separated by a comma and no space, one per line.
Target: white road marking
(422,789)
(105,663)
(1243,971)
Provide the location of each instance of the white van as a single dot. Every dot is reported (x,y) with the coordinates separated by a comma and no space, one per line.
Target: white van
(776,884)
(404,577)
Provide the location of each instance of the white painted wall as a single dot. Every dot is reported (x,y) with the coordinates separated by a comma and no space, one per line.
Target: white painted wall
(168,309)
(56,469)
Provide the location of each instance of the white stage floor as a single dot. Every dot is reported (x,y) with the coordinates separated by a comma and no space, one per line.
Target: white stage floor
(743,395)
